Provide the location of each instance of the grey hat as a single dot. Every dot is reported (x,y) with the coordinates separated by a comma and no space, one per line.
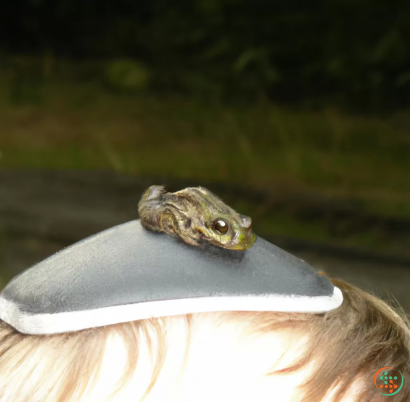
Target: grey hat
(127,273)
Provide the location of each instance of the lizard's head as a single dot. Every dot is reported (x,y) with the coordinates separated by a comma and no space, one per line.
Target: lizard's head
(211,220)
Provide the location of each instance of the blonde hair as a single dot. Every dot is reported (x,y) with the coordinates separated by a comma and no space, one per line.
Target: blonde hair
(355,340)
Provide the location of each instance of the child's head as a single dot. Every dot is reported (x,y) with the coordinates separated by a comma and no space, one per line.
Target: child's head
(230,356)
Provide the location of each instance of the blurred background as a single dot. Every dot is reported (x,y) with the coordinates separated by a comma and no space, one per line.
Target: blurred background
(295,113)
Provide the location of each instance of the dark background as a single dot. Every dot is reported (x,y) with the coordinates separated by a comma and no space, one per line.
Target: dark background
(344,52)
(295,113)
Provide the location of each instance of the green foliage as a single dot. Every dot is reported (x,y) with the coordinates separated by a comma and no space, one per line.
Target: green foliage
(126,76)
(21,81)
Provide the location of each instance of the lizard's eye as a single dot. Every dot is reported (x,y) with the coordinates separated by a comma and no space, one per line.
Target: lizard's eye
(221,226)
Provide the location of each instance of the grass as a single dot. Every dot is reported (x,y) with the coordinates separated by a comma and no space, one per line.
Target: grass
(85,127)
(80,125)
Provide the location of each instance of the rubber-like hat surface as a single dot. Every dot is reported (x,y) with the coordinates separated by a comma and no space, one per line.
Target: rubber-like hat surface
(127,273)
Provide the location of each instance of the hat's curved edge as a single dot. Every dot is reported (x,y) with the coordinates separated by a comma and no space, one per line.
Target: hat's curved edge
(45,324)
